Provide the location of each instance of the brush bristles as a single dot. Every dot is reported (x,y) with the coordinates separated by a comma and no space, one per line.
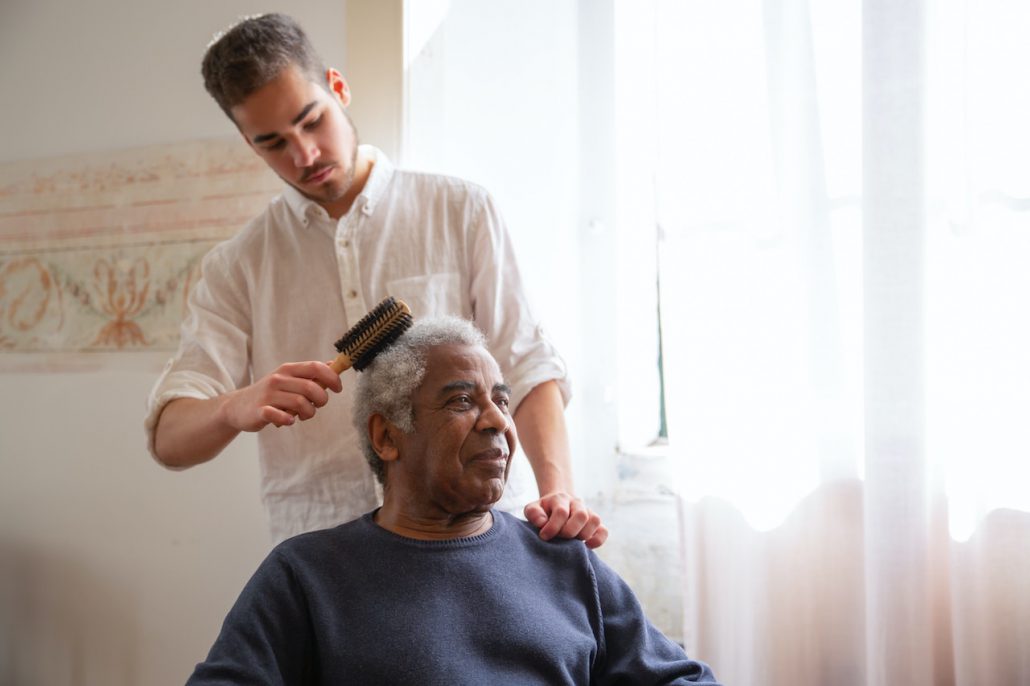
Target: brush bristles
(374,332)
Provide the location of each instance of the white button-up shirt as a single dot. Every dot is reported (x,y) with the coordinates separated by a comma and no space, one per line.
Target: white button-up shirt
(294,280)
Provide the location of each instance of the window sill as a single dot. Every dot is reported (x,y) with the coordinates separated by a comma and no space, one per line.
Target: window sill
(645,473)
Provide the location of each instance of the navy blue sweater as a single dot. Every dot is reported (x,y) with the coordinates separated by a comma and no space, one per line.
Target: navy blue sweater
(360,605)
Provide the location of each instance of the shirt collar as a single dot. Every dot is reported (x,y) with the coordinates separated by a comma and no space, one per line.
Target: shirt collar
(306,209)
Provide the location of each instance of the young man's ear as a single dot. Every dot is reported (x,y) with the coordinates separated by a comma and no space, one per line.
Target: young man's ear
(338,86)
(383,433)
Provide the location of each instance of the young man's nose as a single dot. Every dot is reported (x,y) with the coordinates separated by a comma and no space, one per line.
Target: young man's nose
(305,153)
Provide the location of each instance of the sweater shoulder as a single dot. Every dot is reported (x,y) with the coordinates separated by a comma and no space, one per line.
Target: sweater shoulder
(567,550)
(323,543)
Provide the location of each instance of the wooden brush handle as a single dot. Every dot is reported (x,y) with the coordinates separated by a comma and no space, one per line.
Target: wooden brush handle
(341,364)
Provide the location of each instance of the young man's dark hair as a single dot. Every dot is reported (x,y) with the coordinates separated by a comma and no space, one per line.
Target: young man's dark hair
(253,52)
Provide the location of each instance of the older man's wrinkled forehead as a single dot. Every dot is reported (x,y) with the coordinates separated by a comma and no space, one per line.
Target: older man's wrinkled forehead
(453,366)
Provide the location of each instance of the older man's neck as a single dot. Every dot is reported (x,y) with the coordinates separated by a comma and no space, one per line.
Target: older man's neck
(432,527)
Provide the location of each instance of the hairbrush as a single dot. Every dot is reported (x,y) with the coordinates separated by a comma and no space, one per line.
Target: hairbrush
(371,335)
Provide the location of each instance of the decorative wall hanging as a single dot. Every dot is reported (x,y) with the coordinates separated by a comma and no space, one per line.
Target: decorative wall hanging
(98,252)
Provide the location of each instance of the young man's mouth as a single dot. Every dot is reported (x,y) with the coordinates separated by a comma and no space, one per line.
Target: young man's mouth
(319,175)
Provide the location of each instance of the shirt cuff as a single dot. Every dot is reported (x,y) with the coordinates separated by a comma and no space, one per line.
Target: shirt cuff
(172,386)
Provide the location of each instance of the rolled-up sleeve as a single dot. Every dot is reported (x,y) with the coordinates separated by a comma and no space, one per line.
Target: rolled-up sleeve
(501,309)
(214,348)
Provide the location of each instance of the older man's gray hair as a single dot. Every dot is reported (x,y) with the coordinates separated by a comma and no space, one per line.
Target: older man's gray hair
(386,386)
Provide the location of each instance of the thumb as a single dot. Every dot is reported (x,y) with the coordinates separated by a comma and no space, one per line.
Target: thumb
(535,514)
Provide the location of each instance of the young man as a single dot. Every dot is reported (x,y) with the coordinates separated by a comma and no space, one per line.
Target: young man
(348,230)
(438,588)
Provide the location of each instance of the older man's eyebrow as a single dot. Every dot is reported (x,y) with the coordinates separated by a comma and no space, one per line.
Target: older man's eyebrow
(470,386)
(261,138)
(457,386)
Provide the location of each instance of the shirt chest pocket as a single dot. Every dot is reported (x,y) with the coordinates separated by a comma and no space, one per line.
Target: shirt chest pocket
(432,295)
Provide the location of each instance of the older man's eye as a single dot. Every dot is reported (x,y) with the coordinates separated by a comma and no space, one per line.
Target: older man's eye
(461,401)
(502,403)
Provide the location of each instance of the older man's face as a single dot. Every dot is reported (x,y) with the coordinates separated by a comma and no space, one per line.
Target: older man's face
(457,459)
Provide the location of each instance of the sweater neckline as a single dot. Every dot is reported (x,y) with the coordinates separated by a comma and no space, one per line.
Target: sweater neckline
(445,543)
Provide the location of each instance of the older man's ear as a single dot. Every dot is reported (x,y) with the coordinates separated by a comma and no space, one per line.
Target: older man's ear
(381,432)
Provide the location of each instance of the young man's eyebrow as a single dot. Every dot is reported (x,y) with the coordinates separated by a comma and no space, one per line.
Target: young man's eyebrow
(296,120)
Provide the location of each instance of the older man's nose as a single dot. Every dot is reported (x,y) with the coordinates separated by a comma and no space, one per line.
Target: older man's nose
(492,419)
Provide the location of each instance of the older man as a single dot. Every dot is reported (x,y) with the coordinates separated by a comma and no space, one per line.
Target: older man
(435,587)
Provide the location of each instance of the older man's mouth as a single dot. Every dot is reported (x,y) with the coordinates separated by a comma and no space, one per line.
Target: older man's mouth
(492,455)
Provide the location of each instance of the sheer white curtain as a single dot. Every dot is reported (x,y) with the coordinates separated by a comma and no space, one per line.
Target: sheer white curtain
(842,192)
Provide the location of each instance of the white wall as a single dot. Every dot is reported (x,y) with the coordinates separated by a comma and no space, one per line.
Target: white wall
(114,570)
(103,74)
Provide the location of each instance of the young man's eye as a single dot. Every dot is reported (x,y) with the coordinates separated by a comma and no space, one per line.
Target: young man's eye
(313,124)
(278,145)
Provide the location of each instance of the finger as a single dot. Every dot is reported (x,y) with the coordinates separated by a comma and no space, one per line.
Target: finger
(309,389)
(535,514)
(317,372)
(556,519)
(333,381)
(273,415)
(316,393)
(590,528)
(296,405)
(324,376)
(599,537)
(578,518)
(292,394)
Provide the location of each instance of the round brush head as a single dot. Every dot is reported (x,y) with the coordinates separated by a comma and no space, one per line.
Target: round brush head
(375,332)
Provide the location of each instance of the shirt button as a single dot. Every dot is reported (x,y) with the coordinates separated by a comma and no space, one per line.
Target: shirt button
(345,243)
(352,294)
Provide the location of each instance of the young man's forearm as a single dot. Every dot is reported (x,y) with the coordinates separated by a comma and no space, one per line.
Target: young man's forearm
(191,431)
(540,423)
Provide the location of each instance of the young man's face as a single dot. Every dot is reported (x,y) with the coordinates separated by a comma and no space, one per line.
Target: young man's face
(457,459)
(301,131)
